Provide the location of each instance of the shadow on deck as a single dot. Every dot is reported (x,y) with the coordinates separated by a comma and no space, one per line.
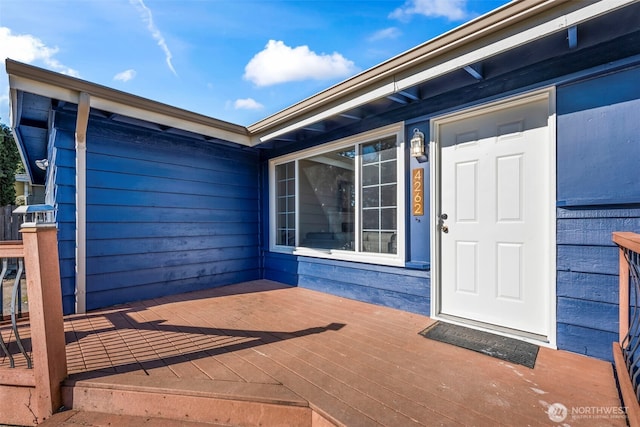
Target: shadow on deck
(260,353)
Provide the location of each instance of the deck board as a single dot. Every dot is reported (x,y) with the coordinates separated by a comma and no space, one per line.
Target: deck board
(355,363)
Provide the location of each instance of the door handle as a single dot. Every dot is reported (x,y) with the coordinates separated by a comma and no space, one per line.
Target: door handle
(441,218)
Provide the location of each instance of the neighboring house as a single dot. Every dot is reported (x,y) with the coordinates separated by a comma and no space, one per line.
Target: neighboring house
(531,118)
(27,193)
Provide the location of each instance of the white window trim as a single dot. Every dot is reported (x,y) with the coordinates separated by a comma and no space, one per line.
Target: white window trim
(397,259)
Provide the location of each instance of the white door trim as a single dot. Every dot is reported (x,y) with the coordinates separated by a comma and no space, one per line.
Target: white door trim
(435,173)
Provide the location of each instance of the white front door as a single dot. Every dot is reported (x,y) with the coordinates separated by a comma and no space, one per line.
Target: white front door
(495,204)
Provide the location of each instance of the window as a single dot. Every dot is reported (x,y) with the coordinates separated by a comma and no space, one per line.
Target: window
(343,200)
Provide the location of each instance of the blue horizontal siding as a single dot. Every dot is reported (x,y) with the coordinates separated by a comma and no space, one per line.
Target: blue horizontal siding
(137,230)
(164,275)
(587,341)
(588,286)
(588,259)
(601,316)
(282,268)
(399,288)
(102,196)
(226,187)
(157,245)
(165,214)
(169,215)
(112,296)
(587,277)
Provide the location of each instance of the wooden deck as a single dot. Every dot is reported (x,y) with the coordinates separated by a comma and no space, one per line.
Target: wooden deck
(260,353)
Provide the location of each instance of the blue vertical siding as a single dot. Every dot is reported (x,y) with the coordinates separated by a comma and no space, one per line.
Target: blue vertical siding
(598,140)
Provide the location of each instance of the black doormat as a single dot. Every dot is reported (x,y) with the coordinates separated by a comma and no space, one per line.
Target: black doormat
(509,349)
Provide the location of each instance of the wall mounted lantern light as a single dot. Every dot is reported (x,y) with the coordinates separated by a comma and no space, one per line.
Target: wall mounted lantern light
(417,146)
(42,164)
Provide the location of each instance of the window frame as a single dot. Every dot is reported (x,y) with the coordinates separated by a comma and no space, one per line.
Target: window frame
(397,259)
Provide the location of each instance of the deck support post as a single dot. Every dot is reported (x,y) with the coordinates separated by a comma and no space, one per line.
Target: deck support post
(46,318)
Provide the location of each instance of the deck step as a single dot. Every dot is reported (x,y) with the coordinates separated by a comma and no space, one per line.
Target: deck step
(226,403)
(75,418)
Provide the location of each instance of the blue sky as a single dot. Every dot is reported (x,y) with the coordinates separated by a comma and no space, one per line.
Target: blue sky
(235,60)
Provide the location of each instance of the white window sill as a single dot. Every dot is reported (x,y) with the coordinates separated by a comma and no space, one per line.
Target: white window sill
(339,255)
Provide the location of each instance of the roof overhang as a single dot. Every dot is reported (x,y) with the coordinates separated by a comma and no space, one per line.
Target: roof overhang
(27,78)
(411,77)
(513,25)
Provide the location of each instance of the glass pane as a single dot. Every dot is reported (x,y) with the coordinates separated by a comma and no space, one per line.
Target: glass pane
(327,200)
(388,148)
(380,189)
(369,154)
(390,244)
(282,221)
(285,204)
(388,172)
(370,197)
(371,219)
(371,241)
(282,204)
(389,195)
(388,219)
(370,175)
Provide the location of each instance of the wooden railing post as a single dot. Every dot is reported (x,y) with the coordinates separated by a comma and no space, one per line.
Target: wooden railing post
(623,299)
(622,350)
(45,316)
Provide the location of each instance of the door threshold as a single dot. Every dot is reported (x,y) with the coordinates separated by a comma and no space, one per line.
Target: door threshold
(529,337)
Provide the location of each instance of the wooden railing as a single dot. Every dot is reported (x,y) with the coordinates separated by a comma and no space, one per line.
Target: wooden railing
(28,396)
(626,352)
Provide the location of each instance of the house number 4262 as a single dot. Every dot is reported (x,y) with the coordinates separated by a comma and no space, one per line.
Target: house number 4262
(417,183)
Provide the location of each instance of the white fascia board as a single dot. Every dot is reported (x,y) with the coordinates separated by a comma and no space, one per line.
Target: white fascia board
(367,97)
(68,95)
(154,117)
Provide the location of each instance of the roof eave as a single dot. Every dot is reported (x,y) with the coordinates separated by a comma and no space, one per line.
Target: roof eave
(23,77)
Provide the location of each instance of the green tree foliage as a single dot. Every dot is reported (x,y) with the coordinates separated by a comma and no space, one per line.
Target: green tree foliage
(10,163)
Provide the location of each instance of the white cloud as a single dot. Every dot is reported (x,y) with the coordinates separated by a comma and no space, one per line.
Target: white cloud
(453,10)
(29,49)
(279,63)
(125,75)
(387,33)
(247,104)
(147,17)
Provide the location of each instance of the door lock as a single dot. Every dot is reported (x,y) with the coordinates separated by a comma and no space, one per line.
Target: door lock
(441,218)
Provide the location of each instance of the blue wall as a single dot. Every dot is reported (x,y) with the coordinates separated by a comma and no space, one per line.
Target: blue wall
(61,189)
(165,214)
(404,289)
(598,148)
